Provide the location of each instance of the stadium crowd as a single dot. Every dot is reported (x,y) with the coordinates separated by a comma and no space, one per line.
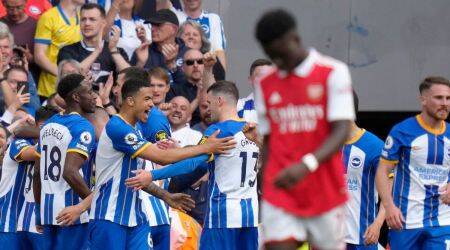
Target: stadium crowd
(120,131)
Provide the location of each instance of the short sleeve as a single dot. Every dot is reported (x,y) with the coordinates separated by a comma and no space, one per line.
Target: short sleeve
(217,34)
(44,29)
(17,147)
(260,105)
(126,139)
(82,140)
(157,127)
(392,147)
(340,94)
(376,149)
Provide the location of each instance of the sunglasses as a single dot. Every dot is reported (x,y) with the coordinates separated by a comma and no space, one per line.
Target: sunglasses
(191,62)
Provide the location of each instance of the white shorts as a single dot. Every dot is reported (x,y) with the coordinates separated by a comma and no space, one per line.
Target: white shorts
(325,231)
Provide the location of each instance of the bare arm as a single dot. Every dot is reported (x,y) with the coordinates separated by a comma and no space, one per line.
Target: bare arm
(42,60)
(74,161)
(29,154)
(27,132)
(177,200)
(111,16)
(37,182)
(118,59)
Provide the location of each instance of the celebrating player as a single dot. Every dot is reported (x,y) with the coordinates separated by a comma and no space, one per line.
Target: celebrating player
(304,112)
(418,210)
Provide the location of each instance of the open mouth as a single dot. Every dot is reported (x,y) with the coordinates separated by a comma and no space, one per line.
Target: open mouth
(147,112)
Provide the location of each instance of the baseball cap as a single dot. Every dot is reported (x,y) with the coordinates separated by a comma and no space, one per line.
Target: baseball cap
(163,16)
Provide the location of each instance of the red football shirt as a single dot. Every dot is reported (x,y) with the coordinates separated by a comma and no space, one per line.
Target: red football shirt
(33,8)
(296,109)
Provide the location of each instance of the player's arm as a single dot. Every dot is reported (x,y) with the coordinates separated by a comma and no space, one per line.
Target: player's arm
(116,53)
(163,157)
(26,132)
(28,154)
(70,214)
(37,190)
(74,161)
(179,201)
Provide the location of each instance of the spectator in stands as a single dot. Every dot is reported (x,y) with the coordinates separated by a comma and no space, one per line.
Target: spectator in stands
(194,37)
(92,52)
(194,82)
(210,22)
(33,8)
(166,50)
(134,31)
(67,67)
(12,99)
(57,27)
(179,119)
(205,115)
(6,62)
(246,106)
(159,83)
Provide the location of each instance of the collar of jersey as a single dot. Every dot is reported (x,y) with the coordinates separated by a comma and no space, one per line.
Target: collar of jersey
(356,137)
(429,129)
(71,113)
(305,67)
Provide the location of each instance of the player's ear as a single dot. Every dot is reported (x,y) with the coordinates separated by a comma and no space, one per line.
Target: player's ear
(422,99)
(130,101)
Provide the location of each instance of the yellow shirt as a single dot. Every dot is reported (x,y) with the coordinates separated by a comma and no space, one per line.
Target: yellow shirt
(56,30)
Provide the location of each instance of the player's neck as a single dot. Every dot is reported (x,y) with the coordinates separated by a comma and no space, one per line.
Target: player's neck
(127,115)
(193,13)
(353,131)
(74,109)
(299,57)
(70,8)
(431,121)
(230,114)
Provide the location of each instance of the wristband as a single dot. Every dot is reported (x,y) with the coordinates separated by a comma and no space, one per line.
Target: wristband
(310,162)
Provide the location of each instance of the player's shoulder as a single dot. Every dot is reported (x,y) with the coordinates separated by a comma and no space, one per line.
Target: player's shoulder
(270,77)
(21,142)
(372,140)
(328,61)
(407,126)
(116,126)
(227,128)
(157,114)
(211,15)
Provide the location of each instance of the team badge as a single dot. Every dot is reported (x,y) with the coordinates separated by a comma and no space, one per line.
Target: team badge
(161,135)
(315,91)
(389,143)
(179,62)
(131,139)
(203,140)
(85,137)
(274,98)
(356,162)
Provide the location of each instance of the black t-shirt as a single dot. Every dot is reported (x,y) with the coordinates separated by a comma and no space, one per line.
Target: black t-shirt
(102,65)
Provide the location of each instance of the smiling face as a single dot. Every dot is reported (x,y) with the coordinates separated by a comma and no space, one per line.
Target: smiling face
(181,112)
(142,103)
(192,37)
(6,51)
(436,101)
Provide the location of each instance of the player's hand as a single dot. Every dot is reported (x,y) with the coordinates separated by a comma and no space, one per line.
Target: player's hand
(182,202)
(250,132)
(166,108)
(141,180)
(372,234)
(219,145)
(445,194)
(288,177)
(40,229)
(69,215)
(394,217)
(167,144)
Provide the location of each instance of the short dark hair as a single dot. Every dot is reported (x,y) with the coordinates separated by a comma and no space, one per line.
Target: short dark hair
(132,86)
(68,84)
(273,25)
(225,87)
(45,112)
(135,73)
(15,68)
(91,6)
(432,80)
(259,62)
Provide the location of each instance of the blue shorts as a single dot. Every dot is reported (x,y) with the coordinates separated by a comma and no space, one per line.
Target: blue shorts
(161,237)
(30,240)
(229,238)
(9,241)
(109,235)
(362,247)
(421,238)
(66,237)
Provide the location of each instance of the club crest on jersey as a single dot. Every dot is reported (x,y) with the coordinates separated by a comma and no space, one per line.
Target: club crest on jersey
(85,137)
(161,135)
(389,143)
(274,98)
(315,91)
(356,162)
(131,139)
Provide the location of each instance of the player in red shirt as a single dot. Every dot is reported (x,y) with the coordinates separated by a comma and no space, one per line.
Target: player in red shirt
(304,112)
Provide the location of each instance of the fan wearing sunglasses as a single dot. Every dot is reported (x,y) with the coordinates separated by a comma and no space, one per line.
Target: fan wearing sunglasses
(198,76)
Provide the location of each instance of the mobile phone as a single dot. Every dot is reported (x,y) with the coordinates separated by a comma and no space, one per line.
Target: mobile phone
(17,52)
(26,88)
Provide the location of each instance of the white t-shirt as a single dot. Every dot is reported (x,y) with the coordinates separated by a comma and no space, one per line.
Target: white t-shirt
(186,136)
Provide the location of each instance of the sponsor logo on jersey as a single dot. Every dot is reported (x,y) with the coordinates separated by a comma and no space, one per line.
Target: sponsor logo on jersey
(297,118)
(161,135)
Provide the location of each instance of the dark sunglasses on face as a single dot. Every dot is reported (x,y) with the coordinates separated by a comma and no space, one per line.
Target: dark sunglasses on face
(191,62)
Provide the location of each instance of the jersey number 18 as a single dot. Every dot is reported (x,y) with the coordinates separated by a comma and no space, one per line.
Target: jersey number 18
(55,162)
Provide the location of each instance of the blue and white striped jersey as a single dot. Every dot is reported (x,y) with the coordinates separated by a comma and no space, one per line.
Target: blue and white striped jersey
(246,109)
(12,183)
(233,201)
(119,145)
(61,134)
(156,128)
(422,155)
(361,155)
